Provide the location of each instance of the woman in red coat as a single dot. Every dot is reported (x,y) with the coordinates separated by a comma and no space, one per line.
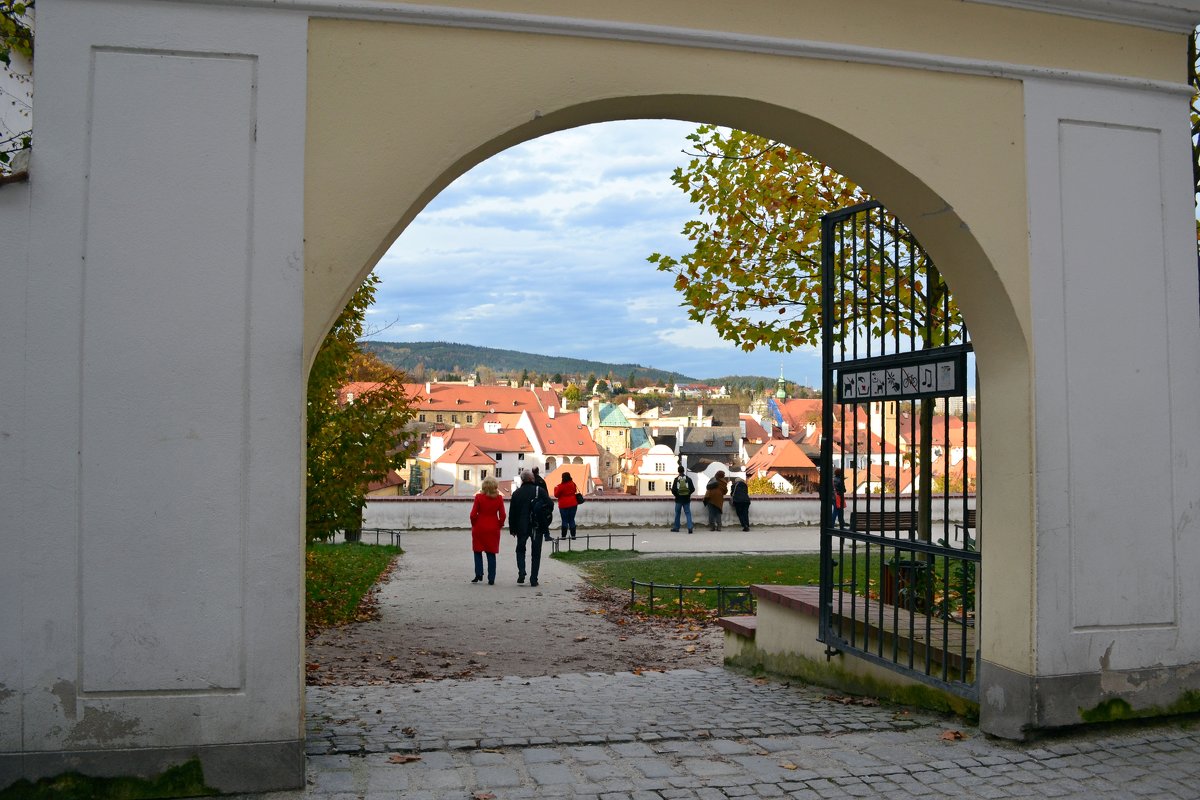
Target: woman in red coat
(487,518)
(565,492)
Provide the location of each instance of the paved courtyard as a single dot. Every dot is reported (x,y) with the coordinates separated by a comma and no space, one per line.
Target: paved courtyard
(703,733)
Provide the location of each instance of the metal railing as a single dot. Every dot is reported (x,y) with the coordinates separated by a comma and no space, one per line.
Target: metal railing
(392,535)
(586,541)
(730,599)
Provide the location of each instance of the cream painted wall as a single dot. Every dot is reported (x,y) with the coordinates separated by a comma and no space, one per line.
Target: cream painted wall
(950,28)
(370,84)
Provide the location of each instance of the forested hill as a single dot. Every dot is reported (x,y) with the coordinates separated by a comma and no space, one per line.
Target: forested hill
(461,359)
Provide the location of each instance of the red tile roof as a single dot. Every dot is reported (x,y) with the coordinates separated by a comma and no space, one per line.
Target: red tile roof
(778,455)
(464,453)
(511,440)
(563,435)
(755,432)
(456,397)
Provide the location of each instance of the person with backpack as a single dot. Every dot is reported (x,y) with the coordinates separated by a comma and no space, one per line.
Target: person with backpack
(523,511)
(739,498)
(682,490)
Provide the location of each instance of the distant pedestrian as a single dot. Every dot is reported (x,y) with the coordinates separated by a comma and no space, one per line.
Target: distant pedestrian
(565,494)
(839,497)
(714,499)
(739,498)
(487,518)
(522,512)
(682,490)
(538,479)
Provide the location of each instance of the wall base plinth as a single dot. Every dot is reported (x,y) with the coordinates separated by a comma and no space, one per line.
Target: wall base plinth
(231,768)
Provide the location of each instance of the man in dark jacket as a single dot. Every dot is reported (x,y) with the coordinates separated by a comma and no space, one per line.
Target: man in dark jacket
(521,524)
(739,498)
(682,490)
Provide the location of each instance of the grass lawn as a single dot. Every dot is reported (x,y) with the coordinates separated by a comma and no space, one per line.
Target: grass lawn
(338,578)
(617,567)
(704,573)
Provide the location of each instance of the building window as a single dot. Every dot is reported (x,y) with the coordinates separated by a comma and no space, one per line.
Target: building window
(482,474)
(454,417)
(652,486)
(660,466)
(439,417)
(420,418)
(466,474)
(499,456)
(520,456)
(499,472)
(470,418)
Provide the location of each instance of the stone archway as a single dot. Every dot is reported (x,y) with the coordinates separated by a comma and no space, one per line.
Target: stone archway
(211,180)
(926,166)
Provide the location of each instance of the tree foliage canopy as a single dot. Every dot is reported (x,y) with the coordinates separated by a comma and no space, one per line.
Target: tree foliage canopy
(16,36)
(351,444)
(754,272)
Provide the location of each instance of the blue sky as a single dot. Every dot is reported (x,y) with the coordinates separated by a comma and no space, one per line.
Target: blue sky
(546,244)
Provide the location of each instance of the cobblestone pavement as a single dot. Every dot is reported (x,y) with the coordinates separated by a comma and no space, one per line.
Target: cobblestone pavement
(703,734)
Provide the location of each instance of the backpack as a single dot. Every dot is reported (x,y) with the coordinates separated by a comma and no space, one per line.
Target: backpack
(682,487)
(541,510)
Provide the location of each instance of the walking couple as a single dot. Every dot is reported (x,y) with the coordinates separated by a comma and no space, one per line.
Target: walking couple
(530,511)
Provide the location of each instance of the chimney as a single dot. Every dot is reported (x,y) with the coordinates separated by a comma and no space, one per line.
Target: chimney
(550,411)
(784,429)
(699,414)
(428,388)
(437,446)
(583,415)
(471,380)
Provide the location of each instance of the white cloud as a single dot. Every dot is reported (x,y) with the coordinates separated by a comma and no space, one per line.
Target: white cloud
(543,248)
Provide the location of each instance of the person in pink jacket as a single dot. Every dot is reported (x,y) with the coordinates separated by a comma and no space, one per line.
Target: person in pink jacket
(565,492)
(487,519)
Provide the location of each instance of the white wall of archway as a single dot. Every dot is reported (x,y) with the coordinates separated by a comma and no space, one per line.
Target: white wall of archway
(211,180)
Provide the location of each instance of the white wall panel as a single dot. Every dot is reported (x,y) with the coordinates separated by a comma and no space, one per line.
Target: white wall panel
(14,226)
(1113,281)
(1115,322)
(166,266)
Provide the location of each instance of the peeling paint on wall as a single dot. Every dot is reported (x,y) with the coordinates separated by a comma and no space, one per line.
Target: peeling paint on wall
(65,692)
(103,727)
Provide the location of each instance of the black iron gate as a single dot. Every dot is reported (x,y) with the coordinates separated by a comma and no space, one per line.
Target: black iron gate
(899,462)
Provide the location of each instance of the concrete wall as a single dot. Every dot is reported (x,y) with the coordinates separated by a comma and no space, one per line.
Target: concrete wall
(152,354)
(434,513)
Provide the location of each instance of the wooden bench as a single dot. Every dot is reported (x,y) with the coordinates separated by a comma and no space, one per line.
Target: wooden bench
(894,521)
(967,524)
(883,521)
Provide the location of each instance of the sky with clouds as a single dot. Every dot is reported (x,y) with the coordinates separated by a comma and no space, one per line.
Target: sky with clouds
(542,248)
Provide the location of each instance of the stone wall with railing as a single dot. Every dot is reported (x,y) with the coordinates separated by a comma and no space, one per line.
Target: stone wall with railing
(607,511)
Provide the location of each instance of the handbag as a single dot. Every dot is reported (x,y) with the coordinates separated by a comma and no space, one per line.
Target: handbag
(579,498)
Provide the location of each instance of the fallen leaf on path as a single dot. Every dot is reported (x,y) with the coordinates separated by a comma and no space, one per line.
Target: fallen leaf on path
(581,638)
(787,765)
(483,796)
(691,648)
(953,736)
(400,758)
(409,731)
